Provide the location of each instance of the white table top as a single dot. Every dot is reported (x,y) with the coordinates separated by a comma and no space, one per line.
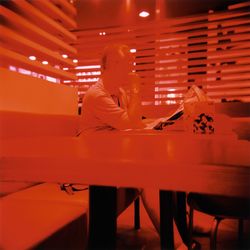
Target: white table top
(215,164)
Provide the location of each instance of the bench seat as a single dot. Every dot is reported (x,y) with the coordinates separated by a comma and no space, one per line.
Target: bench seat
(35,215)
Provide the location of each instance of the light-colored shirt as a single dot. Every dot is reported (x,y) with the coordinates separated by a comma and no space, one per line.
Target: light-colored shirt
(101,112)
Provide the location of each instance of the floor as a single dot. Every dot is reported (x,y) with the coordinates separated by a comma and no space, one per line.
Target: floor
(147,239)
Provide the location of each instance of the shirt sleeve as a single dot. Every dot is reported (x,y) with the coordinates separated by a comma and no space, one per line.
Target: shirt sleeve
(108,112)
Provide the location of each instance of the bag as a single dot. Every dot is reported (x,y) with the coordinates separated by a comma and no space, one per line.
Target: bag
(199,112)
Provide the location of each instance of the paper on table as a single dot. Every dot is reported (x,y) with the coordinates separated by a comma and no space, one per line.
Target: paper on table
(164,121)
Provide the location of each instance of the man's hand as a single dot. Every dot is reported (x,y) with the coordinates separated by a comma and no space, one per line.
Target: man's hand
(134,83)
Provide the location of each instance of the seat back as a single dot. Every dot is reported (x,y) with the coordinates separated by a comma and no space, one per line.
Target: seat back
(31,106)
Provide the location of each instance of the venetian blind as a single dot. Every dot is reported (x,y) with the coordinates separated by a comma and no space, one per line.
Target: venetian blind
(36,38)
(210,50)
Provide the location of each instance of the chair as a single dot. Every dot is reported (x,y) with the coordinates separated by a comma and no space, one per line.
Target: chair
(221,207)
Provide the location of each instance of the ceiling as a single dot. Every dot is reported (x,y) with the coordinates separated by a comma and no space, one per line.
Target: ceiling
(110,13)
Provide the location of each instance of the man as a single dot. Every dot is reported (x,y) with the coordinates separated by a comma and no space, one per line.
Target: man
(114,103)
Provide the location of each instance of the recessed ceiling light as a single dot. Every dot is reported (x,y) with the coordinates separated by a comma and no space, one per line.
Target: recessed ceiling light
(75,61)
(132,50)
(45,62)
(65,56)
(144,14)
(32,58)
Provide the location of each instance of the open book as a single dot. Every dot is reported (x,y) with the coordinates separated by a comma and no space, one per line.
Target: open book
(162,122)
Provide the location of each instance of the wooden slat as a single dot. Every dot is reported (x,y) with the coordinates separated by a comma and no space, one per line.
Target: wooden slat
(197,63)
(8,57)
(208,83)
(22,45)
(66,6)
(222,68)
(55,13)
(36,33)
(200,78)
(42,20)
(239,5)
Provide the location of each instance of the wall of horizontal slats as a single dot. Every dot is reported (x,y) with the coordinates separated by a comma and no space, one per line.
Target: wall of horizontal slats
(210,50)
(42,29)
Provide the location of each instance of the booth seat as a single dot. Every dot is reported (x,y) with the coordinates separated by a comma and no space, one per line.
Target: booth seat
(23,124)
(38,215)
(43,215)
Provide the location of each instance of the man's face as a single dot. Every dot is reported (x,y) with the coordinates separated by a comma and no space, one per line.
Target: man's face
(123,67)
(119,65)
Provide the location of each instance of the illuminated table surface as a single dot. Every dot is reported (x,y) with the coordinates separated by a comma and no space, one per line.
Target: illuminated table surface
(215,164)
(177,161)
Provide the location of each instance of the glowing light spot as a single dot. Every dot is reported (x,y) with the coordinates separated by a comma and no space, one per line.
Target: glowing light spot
(144,14)
(32,58)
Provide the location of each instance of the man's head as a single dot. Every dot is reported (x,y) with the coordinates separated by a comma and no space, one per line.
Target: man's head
(117,63)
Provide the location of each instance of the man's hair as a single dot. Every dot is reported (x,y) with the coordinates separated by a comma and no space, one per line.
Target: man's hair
(112,51)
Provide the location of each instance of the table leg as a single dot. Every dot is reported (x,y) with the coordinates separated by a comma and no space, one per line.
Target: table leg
(181,216)
(166,220)
(102,217)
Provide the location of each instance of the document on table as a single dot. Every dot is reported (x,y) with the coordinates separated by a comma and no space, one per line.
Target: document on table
(162,122)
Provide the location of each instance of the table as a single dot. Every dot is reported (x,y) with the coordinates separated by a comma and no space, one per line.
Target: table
(177,161)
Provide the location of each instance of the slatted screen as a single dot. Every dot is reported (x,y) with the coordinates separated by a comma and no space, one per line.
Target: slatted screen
(210,50)
(36,39)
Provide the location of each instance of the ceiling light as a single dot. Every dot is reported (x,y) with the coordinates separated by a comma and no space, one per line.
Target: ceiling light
(45,62)
(32,58)
(132,50)
(65,56)
(144,14)
(75,61)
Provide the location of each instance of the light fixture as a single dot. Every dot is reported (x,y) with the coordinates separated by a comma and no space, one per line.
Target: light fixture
(75,61)
(64,56)
(132,50)
(65,68)
(32,58)
(45,62)
(143,14)
(102,33)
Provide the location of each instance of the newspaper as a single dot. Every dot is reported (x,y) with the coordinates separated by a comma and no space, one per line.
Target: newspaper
(162,122)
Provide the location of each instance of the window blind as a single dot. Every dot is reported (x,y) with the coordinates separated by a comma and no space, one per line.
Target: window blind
(211,50)
(36,37)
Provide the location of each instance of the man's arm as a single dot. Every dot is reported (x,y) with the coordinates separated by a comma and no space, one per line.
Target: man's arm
(110,113)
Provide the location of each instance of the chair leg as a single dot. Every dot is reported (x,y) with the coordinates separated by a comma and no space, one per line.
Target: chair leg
(213,236)
(190,227)
(137,213)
